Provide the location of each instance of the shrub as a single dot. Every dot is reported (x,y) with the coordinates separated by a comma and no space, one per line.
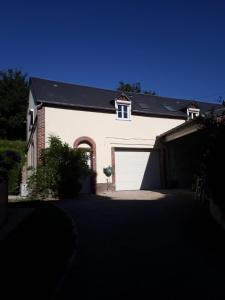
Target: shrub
(60,171)
(12,155)
(212,164)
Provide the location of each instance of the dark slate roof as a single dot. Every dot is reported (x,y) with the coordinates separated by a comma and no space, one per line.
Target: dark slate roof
(71,95)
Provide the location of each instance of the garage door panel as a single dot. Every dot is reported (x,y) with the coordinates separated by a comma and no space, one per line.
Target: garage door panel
(151,178)
(136,169)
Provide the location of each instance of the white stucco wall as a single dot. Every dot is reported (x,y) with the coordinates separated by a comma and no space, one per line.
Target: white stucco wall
(105,130)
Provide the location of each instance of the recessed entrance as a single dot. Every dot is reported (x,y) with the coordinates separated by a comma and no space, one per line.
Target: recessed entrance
(88,145)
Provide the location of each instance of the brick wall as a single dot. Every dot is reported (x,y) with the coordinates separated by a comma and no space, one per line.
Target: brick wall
(40,132)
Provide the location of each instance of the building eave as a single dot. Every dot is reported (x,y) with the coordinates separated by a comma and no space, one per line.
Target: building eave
(180,131)
(106,110)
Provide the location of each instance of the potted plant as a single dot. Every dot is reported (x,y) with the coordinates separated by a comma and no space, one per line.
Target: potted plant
(108,172)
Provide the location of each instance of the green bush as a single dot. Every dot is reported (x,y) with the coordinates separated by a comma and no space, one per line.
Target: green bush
(60,172)
(212,162)
(12,156)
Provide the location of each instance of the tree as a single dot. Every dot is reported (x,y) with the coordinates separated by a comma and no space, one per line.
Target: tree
(133,88)
(221,100)
(127,87)
(212,162)
(60,173)
(12,157)
(9,168)
(150,92)
(13,104)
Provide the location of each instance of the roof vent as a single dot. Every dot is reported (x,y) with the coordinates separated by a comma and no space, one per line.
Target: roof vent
(143,105)
(169,108)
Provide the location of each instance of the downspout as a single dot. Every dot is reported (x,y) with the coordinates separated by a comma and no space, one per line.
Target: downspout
(37,107)
(39,131)
(23,186)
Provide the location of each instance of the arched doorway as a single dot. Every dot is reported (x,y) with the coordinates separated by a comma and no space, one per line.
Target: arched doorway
(88,144)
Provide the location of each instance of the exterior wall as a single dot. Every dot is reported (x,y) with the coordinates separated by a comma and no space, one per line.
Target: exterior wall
(106,131)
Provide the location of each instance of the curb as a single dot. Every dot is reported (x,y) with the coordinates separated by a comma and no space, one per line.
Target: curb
(71,259)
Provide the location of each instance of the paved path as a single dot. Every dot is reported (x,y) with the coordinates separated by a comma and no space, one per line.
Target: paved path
(162,249)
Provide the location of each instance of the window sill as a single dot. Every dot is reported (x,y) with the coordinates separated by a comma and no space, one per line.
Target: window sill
(121,119)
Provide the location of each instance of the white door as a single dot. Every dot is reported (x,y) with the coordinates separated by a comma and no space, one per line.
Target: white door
(137,169)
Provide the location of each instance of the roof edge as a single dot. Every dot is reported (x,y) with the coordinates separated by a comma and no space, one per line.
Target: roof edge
(103,109)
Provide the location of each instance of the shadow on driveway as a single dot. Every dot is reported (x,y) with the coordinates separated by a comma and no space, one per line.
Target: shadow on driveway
(34,254)
(164,249)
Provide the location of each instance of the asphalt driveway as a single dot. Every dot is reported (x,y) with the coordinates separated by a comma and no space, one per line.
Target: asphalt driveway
(145,245)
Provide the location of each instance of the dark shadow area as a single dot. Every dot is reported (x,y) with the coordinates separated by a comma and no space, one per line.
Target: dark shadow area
(151,179)
(183,159)
(162,249)
(33,256)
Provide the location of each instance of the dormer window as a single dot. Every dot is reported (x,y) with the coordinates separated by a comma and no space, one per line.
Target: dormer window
(122,112)
(123,107)
(192,113)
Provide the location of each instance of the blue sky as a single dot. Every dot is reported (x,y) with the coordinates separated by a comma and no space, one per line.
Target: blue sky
(176,48)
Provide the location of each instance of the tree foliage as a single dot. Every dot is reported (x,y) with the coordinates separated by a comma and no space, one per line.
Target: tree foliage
(212,162)
(11,160)
(13,104)
(60,173)
(133,88)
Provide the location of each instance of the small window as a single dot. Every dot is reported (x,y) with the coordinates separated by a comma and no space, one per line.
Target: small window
(122,112)
(125,113)
(192,113)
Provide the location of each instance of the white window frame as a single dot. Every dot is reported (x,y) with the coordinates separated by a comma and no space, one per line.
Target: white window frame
(123,103)
(192,113)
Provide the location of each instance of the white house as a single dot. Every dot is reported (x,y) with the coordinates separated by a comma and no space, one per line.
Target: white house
(119,129)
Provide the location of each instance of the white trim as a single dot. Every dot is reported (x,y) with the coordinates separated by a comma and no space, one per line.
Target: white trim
(31,113)
(127,102)
(182,132)
(192,112)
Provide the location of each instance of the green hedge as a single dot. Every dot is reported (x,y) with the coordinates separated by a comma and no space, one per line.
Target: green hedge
(14,175)
(60,173)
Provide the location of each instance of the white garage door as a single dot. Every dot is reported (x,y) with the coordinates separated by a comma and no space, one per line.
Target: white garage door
(137,169)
